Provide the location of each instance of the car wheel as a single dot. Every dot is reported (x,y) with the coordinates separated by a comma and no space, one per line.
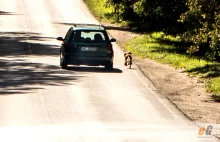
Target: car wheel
(61,62)
(64,66)
(109,66)
(61,58)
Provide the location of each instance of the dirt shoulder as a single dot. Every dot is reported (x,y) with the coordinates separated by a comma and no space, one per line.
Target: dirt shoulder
(186,92)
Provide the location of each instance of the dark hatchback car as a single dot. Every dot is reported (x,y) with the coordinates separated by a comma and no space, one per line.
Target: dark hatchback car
(87,44)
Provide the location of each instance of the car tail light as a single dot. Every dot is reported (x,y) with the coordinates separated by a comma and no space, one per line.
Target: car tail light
(67,46)
(110,50)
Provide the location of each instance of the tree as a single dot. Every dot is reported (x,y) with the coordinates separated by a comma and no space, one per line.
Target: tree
(203,22)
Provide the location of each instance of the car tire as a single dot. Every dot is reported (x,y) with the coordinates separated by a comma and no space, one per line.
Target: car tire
(64,66)
(61,58)
(109,66)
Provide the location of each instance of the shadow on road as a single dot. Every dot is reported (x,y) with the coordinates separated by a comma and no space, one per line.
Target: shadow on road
(6,13)
(17,75)
(107,27)
(22,43)
(93,69)
(21,77)
(71,24)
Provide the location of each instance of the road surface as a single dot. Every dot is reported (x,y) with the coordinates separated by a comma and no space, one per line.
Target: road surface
(40,102)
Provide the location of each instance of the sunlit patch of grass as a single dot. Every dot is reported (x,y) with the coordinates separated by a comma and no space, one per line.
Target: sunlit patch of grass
(99,9)
(214,86)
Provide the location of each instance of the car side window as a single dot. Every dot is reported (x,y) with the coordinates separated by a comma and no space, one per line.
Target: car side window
(67,37)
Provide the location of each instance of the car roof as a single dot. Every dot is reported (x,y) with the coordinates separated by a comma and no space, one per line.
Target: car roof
(88,27)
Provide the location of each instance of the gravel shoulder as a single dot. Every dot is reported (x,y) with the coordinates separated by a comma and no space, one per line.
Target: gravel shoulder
(186,92)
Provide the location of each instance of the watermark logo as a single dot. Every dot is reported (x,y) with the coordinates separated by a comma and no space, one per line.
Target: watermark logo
(205,131)
(208,131)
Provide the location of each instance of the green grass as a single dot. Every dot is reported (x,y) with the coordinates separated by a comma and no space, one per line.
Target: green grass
(100,10)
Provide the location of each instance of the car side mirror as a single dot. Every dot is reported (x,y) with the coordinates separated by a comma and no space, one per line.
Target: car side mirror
(60,38)
(113,40)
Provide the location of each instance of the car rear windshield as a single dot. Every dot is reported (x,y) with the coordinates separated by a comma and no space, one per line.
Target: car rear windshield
(89,36)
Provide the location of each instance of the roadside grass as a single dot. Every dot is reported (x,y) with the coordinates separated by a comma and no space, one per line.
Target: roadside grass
(100,10)
(165,49)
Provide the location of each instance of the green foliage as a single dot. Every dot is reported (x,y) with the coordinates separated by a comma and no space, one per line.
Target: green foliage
(214,85)
(139,8)
(161,14)
(202,21)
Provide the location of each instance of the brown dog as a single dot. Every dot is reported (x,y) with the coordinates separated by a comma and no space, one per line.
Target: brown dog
(128,59)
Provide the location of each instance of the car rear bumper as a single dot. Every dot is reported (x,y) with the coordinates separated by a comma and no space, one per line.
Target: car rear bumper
(91,61)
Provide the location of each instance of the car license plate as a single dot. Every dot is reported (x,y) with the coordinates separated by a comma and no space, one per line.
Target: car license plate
(88,48)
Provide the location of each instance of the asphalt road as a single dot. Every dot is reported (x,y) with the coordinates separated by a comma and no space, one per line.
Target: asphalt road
(40,102)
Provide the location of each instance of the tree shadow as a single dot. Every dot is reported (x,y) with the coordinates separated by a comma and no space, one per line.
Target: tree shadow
(72,24)
(170,46)
(107,27)
(67,24)
(142,27)
(212,100)
(132,27)
(135,24)
(145,27)
(216,97)
(6,13)
(178,48)
(119,28)
(209,70)
(22,43)
(21,77)
(17,75)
